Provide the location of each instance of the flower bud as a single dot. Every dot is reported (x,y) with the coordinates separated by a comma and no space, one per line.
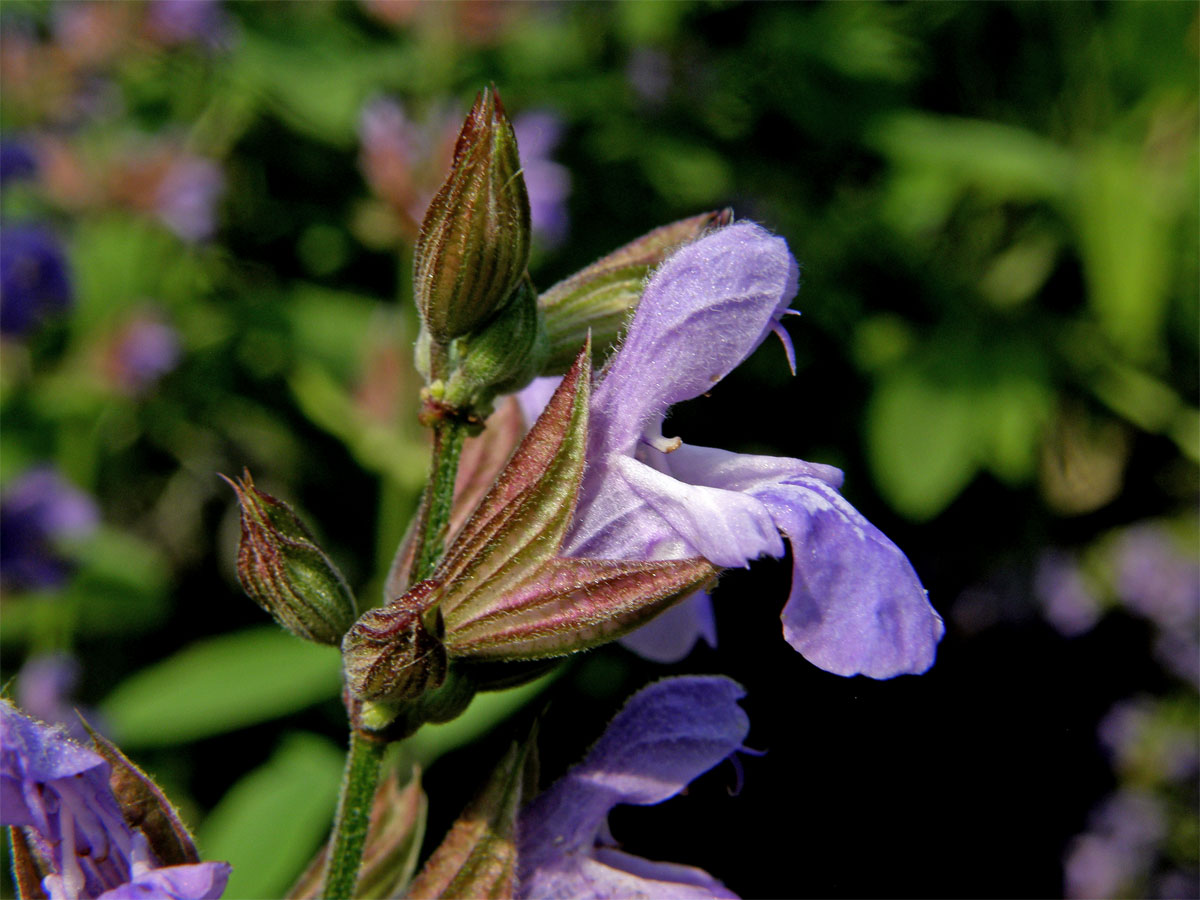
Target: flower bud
(599,298)
(284,571)
(474,242)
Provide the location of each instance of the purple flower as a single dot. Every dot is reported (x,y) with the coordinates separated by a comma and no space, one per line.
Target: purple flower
(44,684)
(16,161)
(59,791)
(1067,601)
(547,182)
(33,278)
(187,196)
(856,605)
(145,349)
(1120,848)
(666,735)
(175,22)
(38,508)
(1156,579)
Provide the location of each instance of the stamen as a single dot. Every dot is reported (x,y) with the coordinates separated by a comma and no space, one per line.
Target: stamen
(663,444)
(787,344)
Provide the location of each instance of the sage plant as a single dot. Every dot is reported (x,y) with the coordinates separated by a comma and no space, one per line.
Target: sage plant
(583,525)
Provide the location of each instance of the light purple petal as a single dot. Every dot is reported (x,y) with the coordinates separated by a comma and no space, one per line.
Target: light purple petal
(664,737)
(740,471)
(535,395)
(856,606)
(669,881)
(670,637)
(727,527)
(703,312)
(200,881)
(613,875)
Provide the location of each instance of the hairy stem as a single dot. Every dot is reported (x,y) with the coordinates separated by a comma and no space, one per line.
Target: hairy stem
(363,761)
(448,439)
(353,816)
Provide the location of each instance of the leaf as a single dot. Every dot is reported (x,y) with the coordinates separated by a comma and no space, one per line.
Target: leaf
(270,822)
(920,442)
(220,685)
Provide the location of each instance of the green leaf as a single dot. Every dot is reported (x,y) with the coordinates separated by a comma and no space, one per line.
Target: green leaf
(269,824)
(1124,221)
(920,442)
(219,685)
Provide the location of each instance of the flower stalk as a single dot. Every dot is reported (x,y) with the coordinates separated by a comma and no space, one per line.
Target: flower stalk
(353,815)
(361,777)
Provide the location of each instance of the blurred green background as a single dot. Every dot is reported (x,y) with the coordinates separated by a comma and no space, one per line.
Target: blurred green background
(995,207)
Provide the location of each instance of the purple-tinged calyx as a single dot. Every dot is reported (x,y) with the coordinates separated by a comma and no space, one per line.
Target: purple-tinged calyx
(284,571)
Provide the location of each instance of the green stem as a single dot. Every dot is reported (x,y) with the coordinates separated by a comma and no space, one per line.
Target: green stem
(361,777)
(437,503)
(353,816)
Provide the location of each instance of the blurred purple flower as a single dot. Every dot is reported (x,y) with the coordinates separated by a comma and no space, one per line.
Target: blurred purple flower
(665,736)
(856,605)
(1155,579)
(1119,849)
(59,792)
(34,282)
(38,508)
(1068,603)
(174,22)
(16,161)
(649,72)
(145,349)
(44,684)
(1142,735)
(547,182)
(187,197)
(404,161)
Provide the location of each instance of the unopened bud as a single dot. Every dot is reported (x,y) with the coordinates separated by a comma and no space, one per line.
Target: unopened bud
(474,242)
(598,299)
(284,571)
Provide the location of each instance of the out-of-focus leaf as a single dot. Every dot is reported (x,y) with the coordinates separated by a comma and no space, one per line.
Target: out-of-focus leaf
(120,588)
(270,822)
(920,442)
(330,326)
(1124,226)
(380,447)
(219,685)
(687,174)
(1003,161)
